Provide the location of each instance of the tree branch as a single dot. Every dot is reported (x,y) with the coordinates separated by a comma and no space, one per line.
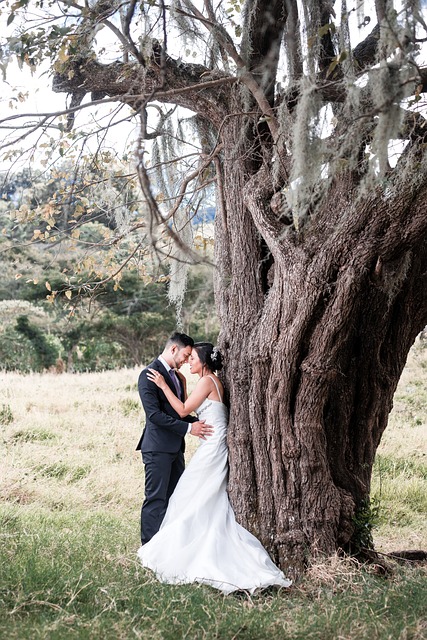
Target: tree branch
(263,32)
(127,41)
(188,178)
(223,38)
(192,85)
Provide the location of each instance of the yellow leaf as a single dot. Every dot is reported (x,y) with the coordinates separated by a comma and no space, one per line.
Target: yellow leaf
(18,275)
(48,287)
(62,55)
(68,294)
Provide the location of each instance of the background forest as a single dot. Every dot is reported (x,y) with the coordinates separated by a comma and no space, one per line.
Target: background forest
(54,313)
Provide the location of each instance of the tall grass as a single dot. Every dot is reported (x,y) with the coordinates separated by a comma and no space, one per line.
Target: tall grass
(399,480)
(71,486)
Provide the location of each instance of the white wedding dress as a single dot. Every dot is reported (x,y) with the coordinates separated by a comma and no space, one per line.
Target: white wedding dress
(199,539)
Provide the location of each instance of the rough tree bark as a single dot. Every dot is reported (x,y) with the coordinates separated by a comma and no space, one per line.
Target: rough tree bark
(314,358)
(314,348)
(317,320)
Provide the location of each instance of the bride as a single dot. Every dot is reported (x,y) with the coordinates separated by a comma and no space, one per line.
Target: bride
(199,539)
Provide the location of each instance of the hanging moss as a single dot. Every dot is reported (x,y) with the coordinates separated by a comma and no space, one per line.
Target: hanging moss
(306,179)
(179,263)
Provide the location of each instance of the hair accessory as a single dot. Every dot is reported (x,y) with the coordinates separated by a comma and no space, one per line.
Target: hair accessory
(214,354)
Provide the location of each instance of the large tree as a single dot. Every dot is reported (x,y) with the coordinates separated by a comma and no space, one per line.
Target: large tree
(320,236)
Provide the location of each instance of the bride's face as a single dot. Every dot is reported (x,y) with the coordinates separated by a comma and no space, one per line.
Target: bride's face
(195,363)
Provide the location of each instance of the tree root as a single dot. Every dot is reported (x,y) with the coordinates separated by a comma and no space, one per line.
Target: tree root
(416,556)
(377,558)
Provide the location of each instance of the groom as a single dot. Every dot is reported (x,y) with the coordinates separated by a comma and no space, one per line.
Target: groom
(162,442)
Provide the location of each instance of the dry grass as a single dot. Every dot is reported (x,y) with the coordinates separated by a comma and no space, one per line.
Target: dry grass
(406,435)
(71,484)
(400,474)
(69,442)
(72,439)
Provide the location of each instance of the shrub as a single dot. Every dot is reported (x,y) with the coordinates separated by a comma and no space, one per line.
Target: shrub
(46,352)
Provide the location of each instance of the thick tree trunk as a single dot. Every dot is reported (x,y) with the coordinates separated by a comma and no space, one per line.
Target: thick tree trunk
(314,350)
(317,320)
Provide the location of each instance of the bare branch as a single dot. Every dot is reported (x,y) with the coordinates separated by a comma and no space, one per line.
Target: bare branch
(126,41)
(192,86)
(223,38)
(189,178)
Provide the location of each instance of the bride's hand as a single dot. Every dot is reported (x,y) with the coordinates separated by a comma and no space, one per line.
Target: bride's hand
(157,378)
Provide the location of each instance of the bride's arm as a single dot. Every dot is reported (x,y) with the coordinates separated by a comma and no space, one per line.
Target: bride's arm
(195,399)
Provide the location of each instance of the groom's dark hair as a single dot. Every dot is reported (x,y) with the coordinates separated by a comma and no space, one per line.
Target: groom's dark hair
(180,339)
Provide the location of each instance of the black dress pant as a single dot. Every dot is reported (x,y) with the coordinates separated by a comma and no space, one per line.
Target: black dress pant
(162,472)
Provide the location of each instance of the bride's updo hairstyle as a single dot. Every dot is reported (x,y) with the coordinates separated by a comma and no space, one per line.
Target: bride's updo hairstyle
(209,355)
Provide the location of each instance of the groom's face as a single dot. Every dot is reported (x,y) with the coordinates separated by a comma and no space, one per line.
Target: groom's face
(180,355)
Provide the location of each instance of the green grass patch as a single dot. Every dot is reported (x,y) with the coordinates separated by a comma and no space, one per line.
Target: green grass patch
(32,435)
(75,575)
(6,415)
(400,503)
(129,406)
(389,467)
(399,488)
(61,470)
(414,396)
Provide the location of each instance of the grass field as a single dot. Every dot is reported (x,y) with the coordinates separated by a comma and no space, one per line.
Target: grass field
(71,486)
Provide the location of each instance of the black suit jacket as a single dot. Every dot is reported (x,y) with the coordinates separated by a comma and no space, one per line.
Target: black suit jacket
(164,430)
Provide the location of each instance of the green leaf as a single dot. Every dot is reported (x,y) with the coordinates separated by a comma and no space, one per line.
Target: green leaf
(325,28)
(19,4)
(337,60)
(10,19)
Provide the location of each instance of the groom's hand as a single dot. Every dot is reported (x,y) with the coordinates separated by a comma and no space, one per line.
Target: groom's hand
(201,429)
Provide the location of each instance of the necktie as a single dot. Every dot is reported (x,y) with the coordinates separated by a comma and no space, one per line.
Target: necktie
(175,381)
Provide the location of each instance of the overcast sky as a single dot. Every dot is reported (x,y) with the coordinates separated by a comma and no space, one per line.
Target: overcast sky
(26,92)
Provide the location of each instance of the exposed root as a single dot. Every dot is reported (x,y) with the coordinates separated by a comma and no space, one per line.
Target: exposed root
(411,556)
